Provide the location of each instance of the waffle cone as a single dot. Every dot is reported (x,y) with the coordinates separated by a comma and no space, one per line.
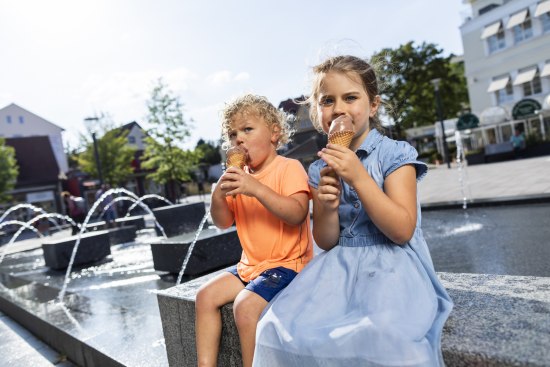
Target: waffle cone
(236,160)
(342,138)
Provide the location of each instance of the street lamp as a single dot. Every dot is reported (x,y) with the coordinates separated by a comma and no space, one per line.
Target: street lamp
(96,151)
(436,82)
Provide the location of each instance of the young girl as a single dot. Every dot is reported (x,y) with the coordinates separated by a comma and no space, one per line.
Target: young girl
(372,298)
(269,204)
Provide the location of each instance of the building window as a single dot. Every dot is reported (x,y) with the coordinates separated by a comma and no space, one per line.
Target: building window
(21,120)
(8,119)
(523,31)
(132,139)
(487,8)
(545,70)
(545,19)
(505,94)
(496,42)
(532,87)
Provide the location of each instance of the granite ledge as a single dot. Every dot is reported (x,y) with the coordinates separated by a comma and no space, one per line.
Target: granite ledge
(497,320)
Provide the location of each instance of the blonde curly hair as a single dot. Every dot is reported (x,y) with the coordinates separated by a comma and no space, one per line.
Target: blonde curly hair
(259,105)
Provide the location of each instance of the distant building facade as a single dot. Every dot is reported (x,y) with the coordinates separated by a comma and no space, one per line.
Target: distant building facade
(39,153)
(507,65)
(138,182)
(306,141)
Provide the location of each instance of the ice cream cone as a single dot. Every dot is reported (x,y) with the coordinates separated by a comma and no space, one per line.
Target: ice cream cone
(342,138)
(236,157)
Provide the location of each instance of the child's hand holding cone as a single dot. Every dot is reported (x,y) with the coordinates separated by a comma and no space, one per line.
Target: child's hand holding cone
(341,133)
(236,157)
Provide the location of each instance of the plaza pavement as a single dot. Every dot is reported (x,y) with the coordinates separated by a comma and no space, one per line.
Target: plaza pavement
(522,178)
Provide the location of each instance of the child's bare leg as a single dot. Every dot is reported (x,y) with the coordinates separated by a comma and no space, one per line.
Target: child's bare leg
(247,309)
(208,322)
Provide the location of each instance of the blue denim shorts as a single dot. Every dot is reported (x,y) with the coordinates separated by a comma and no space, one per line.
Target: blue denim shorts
(268,283)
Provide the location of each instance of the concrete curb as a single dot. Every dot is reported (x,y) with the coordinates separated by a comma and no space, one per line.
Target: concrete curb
(487,202)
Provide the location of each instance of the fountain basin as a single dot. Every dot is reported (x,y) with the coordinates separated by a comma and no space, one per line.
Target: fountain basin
(180,218)
(94,246)
(214,249)
(138,221)
(108,306)
(120,235)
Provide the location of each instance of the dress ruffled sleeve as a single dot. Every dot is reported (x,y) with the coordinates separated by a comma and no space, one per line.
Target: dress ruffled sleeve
(399,154)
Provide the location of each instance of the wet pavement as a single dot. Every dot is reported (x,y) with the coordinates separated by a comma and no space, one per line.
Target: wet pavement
(112,305)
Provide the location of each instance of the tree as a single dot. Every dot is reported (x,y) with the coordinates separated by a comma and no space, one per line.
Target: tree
(72,154)
(406,74)
(210,152)
(115,155)
(170,163)
(8,169)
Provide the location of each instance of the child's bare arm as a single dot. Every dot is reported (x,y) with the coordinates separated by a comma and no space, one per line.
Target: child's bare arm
(392,210)
(290,209)
(219,210)
(326,199)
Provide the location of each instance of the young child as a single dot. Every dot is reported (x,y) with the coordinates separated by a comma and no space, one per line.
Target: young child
(373,297)
(268,201)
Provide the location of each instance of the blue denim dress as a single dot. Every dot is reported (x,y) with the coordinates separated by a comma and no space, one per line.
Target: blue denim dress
(367,301)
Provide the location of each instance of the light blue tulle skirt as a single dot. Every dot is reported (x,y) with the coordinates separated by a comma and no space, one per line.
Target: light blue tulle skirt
(379,305)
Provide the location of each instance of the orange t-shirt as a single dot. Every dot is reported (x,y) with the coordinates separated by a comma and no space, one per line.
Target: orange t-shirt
(267,241)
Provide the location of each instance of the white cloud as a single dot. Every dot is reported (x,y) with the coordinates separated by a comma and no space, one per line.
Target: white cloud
(242,76)
(225,77)
(219,78)
(124,94)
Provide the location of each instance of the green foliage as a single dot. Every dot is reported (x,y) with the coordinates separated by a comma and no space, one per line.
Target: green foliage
(533,139)
(72,156)
(115,156)
(175,167)
(168,129)
(209,151)
(406,74)
(100,124)
(8,169)
(474,152)
(436,157)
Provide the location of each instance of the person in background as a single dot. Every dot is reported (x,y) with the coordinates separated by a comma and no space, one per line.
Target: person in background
(110,214)
(74,210)
(518,142)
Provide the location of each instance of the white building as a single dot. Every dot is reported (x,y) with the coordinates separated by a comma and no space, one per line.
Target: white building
(17,122)
(507,64)
(40,156)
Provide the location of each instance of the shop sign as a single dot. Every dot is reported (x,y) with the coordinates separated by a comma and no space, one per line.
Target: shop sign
(525,108)
(467,121)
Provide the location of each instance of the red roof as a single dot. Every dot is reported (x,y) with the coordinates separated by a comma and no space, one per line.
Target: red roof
(36,161)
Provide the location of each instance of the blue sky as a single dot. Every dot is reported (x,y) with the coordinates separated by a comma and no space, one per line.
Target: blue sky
(66,59)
